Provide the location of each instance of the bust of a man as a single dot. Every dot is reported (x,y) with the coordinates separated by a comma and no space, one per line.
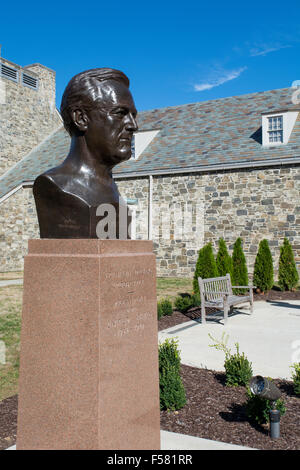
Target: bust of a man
(99,114)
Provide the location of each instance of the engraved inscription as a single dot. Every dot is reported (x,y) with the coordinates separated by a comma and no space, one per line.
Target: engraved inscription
(121,327)
(127,308)
(128,274)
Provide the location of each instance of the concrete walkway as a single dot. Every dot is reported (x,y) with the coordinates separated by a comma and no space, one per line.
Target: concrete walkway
(174,441)
(12,282)
(270,338)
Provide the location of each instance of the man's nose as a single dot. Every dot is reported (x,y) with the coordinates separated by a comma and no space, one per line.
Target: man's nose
(131,123)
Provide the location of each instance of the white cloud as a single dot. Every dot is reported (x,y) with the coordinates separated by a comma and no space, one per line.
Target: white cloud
(219,79)
(265,49)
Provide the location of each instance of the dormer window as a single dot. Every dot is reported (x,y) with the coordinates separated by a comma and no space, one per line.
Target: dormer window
(277,127)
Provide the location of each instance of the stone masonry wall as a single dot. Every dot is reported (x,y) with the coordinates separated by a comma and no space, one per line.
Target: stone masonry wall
(251,204)
(18,223)
(27,116)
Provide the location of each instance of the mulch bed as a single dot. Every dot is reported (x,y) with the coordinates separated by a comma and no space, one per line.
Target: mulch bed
(8,422)
(213,411)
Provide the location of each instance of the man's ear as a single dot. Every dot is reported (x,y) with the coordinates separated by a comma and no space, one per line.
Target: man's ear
(80,119)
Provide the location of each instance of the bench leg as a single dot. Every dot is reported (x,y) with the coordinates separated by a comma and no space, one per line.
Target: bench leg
(203,318)
(251,301)
(226,308)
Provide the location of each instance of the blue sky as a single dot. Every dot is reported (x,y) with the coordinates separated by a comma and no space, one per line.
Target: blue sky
(174,52)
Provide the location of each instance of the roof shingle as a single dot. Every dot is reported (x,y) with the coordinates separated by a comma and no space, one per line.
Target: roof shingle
(218,132)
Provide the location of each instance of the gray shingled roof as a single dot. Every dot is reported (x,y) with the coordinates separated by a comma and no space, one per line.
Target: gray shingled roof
(205,135)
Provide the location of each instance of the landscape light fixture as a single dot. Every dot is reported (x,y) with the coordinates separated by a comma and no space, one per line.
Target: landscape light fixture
(265,388)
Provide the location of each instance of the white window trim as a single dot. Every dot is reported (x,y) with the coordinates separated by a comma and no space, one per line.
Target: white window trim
(288,122)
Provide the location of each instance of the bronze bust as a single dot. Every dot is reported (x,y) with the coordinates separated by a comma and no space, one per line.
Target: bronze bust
(98,112)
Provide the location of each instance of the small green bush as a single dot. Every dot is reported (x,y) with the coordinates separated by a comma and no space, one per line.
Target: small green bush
(263,275)
(258,408)
(196,300)
(182,304)
(159,311)
(166,306)
(172,393)
(238,369)
(205,267)
(288,276)
(239,269)
(296,378)
(223,259)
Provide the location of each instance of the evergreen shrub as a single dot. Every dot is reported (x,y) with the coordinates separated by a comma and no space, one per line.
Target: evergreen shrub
(223,260)
(172,392)
(288,276)
(166,306)
(263,275)
(238,369)
(296,378)
(182,304)
(239,269)
(205,267)
(159,310)
(258,408)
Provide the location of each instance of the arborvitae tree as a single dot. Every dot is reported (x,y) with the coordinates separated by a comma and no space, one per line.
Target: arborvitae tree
(205,267)
(288,276)
(172,392)
(223,259)
(239,269)
(263,275)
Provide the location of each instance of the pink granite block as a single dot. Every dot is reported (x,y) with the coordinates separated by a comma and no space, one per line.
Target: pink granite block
(89,350)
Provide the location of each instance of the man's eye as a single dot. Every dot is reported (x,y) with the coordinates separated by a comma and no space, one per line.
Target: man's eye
(121,112)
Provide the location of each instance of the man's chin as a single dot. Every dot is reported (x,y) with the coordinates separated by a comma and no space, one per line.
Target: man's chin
(122,157)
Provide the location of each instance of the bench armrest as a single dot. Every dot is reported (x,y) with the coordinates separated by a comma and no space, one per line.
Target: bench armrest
(244,287)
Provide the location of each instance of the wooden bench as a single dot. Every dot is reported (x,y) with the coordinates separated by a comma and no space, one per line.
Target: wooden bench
(217,293)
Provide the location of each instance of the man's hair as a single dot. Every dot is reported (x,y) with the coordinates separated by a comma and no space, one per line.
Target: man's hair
(82,91)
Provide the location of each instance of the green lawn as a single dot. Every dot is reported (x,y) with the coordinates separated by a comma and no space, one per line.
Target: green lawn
(10,326)
(171,287)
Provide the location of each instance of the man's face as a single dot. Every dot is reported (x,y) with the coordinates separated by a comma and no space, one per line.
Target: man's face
(111,123)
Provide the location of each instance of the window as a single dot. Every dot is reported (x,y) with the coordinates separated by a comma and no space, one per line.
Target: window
(275,129)
(278,126)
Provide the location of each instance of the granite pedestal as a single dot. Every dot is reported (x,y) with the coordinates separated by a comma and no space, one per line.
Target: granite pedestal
(89,350)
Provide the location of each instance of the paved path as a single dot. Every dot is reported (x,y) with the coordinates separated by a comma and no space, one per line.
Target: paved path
(174,441)
(270,338)
(12,282)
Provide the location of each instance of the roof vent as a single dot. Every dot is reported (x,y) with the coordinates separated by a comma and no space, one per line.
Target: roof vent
(9,72)
(29,81)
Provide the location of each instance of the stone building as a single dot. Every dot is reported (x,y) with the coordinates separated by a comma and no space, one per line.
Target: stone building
(27,110)
(223,168)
